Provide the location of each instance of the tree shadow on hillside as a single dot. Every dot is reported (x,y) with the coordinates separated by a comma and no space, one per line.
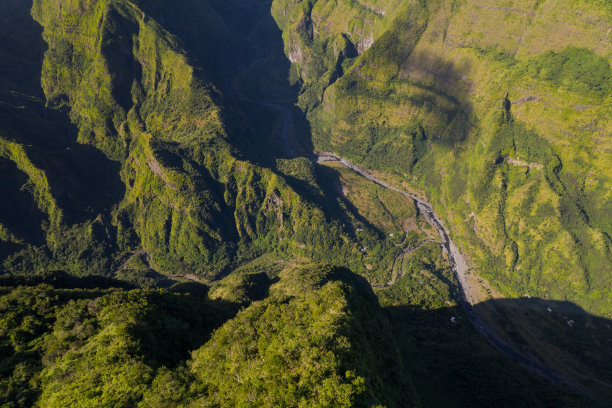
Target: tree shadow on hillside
(241,44)
(558,333)
(256,80)
(179,324)
(18,210)
(443,90)
(63,280)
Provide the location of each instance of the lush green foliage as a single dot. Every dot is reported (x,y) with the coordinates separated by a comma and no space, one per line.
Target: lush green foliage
(107,347)
(575,69)
(316,337)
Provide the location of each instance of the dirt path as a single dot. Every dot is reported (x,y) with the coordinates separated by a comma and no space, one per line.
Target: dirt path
(401,256)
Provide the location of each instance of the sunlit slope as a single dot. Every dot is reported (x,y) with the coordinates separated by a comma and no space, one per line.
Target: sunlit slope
(318,339)
(524,183)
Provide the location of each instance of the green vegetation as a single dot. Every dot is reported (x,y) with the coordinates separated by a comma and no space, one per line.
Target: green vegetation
(308,344)
(316,337)
(153,167)
(575,69)
(140,155)
(114,346)
(524,188)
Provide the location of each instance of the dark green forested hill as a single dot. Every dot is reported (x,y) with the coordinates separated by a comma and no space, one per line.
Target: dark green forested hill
(316,338)
(166,235)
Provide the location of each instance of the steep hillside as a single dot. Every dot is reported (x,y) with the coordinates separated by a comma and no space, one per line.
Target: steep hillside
(522,180)
(111,346)
(129,149)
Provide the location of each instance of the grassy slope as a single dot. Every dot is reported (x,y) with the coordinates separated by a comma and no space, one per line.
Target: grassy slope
(425,102)
(168,140)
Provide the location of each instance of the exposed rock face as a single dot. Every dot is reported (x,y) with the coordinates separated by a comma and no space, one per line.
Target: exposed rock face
(365,43)
(294,53)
